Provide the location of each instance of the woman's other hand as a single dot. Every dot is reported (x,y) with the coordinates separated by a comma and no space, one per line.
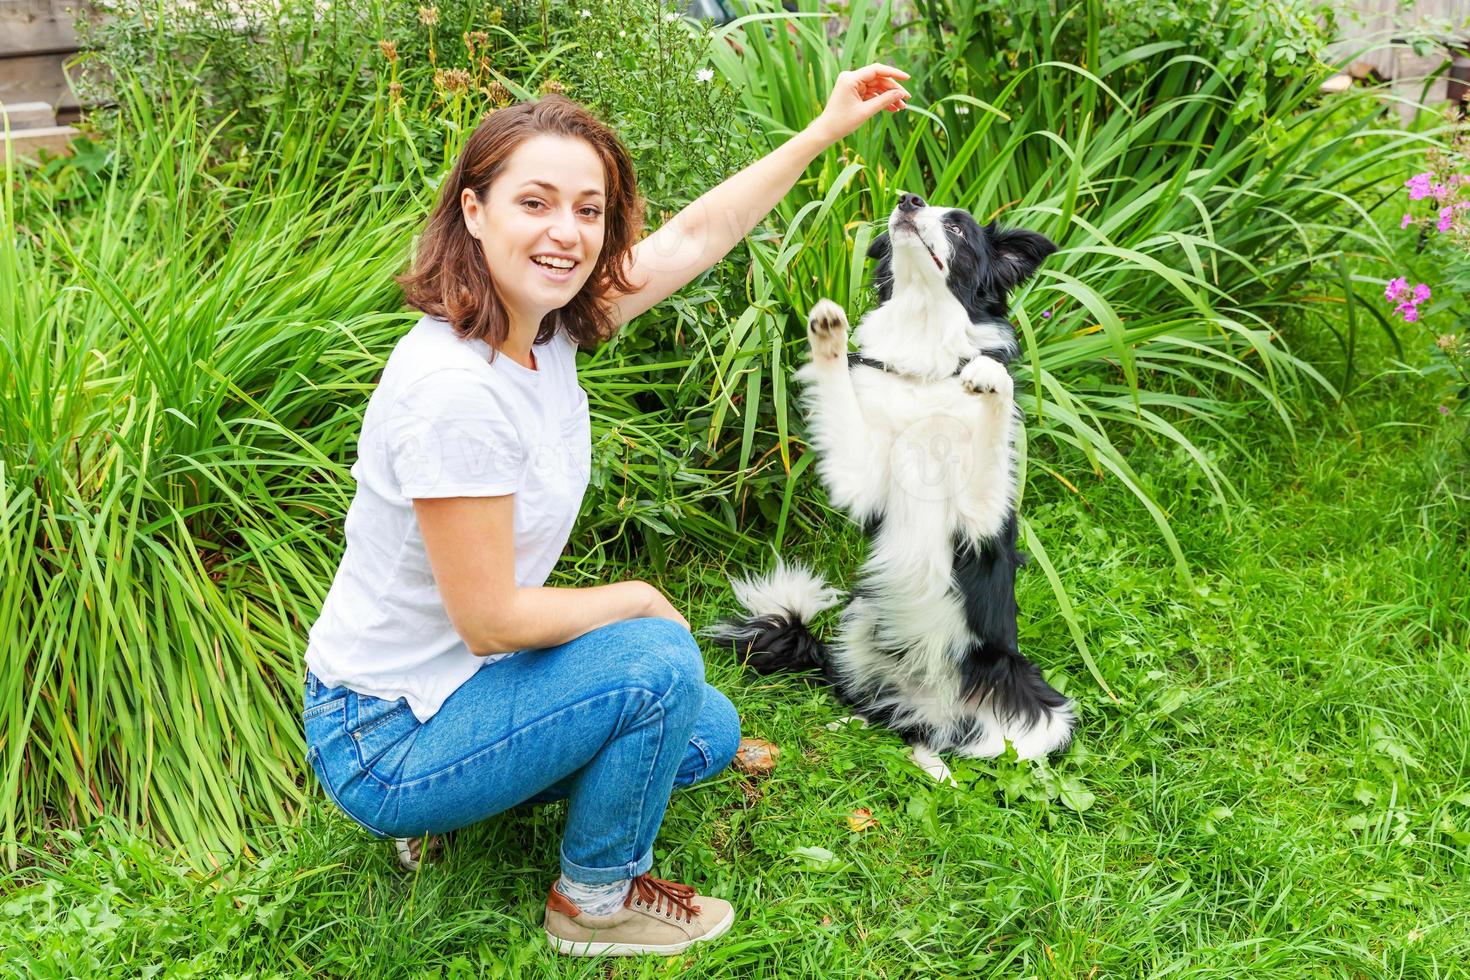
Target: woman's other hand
(658,606)
(859,95)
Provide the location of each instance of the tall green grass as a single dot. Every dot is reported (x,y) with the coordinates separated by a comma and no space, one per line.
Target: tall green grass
(185,353)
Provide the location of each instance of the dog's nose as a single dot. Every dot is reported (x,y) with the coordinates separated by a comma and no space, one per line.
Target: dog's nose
(910,202)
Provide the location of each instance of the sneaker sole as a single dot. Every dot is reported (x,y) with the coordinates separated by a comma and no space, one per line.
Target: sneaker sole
(590,948)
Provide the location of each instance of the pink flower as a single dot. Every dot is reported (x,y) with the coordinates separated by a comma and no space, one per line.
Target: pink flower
(1046,314)
(1395,288)
(1418,186)
(1408,220)
(1446,219)
(1421,293)
(1444,410)
(1408,311)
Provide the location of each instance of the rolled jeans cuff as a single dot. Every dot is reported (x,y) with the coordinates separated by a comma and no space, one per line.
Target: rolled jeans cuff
(606,876)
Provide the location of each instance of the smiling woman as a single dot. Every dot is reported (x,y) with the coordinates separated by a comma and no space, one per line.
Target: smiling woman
(500,209)
(445,683)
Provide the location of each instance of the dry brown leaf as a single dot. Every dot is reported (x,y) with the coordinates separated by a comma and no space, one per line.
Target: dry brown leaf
(756,757)
(860,820)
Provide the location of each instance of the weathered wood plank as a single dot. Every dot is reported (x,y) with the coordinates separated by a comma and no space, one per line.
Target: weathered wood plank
(27,115)
(36,78)
(36,27)
(27,143)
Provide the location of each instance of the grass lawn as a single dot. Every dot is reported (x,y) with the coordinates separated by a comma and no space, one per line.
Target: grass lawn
(1282,787)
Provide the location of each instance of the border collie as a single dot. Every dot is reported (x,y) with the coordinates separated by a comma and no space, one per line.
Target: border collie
(915,438)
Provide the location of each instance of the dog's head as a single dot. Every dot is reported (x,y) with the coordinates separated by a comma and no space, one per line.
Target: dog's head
(929,247)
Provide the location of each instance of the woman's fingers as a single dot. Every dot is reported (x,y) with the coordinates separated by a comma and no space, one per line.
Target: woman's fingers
(877,69)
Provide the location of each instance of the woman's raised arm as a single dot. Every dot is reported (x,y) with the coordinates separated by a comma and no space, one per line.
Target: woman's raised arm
(705,231)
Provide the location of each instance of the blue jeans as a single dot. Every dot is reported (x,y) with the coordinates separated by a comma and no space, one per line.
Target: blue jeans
(611,721)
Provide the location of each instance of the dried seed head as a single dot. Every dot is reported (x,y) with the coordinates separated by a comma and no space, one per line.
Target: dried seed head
(1446,341)
(428,16)
(552,87)
(452,80)
(499,95)
(389,49)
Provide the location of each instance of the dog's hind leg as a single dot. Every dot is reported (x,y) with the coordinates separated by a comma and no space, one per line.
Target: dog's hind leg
(850,459)
(928,760)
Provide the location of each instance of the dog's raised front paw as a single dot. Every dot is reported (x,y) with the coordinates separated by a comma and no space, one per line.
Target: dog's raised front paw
(826,330)
(987,376)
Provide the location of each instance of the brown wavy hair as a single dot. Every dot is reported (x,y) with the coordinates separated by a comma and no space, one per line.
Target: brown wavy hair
(449,277)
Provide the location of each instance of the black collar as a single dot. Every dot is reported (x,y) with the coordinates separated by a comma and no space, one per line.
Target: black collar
(856,358)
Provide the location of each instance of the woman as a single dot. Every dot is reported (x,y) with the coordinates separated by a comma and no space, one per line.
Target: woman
(445,683)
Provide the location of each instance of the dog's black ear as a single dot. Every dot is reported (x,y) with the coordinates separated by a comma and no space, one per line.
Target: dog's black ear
(1018,253)
(882,250)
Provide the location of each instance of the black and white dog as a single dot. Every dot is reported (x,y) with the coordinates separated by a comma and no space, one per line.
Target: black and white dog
(915,438)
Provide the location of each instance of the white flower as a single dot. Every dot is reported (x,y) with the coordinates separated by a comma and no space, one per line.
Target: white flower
(597,54)
(671,17)
(622,33)
(586,14)
(705,74)
(962,110)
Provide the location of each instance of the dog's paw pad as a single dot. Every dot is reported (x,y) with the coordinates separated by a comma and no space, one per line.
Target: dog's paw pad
(986,376)
(826,329)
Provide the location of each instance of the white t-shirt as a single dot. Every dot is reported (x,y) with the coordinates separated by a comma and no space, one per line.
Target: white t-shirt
(445,422)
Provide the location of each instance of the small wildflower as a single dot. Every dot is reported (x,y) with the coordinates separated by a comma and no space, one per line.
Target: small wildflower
(586,13)
(622,33)
(389,50)
(1445,341)
(1421,293)
(1046,314)
(1407,221)
(671,17)
(1395,288)
(705,74)
(1446,218)
(428,16)
(597,54)
(1418,186)
(1408,311)
(962,110)
(1444,410)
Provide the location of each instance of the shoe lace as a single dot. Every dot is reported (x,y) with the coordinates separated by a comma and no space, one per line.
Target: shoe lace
(667,897)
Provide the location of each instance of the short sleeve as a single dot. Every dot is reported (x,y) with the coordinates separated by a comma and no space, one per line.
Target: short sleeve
(449,435)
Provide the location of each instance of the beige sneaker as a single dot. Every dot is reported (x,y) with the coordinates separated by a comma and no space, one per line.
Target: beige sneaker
(660,917)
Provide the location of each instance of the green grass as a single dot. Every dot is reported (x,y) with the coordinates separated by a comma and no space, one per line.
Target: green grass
(1281,787)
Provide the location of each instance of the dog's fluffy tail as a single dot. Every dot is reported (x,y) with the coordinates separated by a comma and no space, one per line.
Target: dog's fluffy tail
(776,637)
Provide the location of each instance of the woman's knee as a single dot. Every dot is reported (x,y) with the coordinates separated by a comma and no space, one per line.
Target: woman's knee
(718,729)
(661,655)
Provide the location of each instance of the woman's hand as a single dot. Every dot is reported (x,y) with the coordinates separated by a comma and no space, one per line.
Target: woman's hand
(859,95)
(657,605)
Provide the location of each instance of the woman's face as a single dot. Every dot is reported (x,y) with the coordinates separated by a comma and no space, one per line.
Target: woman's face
(541,224)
